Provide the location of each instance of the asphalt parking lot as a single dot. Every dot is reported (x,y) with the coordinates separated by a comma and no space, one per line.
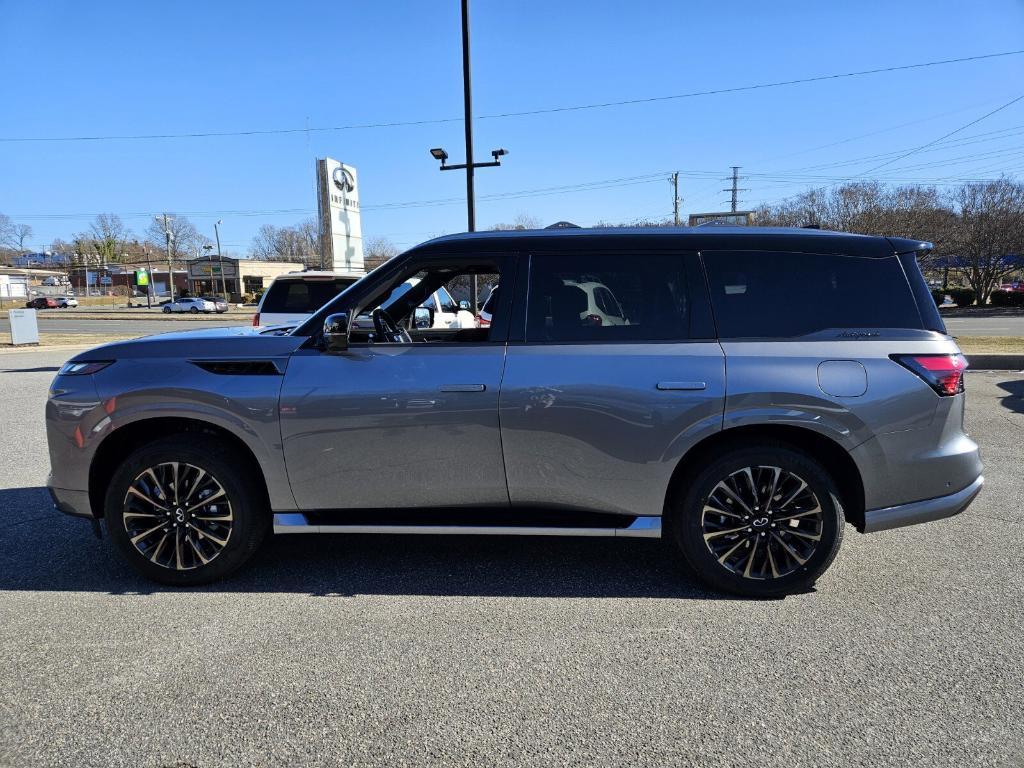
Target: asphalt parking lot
(479,651)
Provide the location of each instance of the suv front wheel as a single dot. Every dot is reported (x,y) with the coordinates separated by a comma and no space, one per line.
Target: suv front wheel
(183,512)
(761,521)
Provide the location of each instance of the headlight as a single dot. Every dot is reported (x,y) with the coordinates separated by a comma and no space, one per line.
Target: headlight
(83,368)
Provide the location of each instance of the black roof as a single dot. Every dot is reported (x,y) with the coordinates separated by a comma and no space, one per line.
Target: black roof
(690,238)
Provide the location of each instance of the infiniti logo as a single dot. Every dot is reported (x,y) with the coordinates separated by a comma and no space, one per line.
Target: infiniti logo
(761,522)
(179,515)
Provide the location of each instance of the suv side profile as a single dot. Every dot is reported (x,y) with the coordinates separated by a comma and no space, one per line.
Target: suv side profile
(761,389)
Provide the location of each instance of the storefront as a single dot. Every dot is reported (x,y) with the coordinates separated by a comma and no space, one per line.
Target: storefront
(238,277)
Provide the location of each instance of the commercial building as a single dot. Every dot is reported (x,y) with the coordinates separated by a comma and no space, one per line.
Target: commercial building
(211,275)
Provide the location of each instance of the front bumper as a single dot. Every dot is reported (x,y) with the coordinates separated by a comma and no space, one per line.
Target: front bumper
(70,502)
(922,511)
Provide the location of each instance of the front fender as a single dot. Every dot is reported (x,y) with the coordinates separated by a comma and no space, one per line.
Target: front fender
(244,405)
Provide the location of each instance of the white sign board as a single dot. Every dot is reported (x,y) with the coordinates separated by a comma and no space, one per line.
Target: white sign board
(342,236)
(24,327)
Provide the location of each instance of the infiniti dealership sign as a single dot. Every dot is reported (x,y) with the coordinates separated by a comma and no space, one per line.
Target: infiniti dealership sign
(341,232)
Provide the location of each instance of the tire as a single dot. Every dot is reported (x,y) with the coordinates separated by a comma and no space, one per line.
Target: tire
(194,311)
(167,310)
(211,542)
(727,551)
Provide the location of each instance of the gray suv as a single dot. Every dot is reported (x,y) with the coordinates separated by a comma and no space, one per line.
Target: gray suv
(740,392)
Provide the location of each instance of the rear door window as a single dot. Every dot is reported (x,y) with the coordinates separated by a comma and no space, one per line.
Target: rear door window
(607,297)
(301,296)
(770,294)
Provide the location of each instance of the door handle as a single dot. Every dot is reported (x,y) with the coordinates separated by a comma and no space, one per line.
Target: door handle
(463,387)
(676,385)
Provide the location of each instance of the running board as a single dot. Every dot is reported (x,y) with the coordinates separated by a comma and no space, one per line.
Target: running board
(296,522)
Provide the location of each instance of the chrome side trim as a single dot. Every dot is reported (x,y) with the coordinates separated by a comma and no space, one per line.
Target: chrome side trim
(642,527)
(921,511)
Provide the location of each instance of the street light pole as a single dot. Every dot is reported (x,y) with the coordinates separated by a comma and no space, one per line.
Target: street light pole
(220,258)
(467,97)
(469,166)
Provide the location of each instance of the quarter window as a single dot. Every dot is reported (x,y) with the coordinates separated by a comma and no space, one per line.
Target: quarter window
(607,297)
(766,294)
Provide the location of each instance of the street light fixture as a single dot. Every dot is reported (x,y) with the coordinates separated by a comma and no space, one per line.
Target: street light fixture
(439,154)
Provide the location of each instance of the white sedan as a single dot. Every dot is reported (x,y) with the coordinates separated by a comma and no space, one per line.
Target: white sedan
(195,306)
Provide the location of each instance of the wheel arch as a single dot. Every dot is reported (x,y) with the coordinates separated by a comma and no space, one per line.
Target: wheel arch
(134,435)
(833,457)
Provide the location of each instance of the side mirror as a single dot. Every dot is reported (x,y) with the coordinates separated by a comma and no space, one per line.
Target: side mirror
(336,332)
(423,317)
(464,304)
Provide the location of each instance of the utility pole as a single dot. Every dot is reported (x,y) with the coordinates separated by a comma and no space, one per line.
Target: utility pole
(169,236)
(735,187)
(149,286)
(674,180)
(220,258)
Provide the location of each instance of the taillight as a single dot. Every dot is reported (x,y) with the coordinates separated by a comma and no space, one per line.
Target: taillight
(256,320)
(482,322)
(943,373)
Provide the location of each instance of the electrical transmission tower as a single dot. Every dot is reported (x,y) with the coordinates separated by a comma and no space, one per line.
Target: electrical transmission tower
(735,188)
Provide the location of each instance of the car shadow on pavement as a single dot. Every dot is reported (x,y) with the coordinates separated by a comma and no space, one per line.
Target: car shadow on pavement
(1015,399)
(43,550)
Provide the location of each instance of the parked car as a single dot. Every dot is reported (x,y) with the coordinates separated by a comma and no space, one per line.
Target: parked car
(66,301)
(220,304)
(292,298)
(42,302)
(745,427)
(192,305)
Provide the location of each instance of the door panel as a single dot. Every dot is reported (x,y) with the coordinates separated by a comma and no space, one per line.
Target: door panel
(392,425)
(602,426)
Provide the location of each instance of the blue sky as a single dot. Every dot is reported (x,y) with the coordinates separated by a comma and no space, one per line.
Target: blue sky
(112,68)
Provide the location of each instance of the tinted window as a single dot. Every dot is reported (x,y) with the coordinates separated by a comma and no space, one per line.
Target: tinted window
(607,297)
(778,295)
(302,296)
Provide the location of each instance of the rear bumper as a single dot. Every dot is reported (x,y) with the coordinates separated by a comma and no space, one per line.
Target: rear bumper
(922,511)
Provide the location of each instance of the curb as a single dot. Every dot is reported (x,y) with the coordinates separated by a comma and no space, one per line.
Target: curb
(983,362)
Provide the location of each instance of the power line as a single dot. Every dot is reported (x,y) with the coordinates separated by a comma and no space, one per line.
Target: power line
(523,113)
(963,127)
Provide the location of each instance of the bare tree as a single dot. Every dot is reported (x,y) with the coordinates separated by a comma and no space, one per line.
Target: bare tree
(868,208)
(19,234)
(521,221)
(377,251)
(298,243)
(186,240)
(107,236)
(988,240)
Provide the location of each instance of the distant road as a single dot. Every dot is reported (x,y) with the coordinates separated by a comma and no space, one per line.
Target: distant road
(958,326)
(125,327)
(985,326)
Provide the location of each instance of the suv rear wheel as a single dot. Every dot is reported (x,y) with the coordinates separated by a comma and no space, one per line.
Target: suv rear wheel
(183,513)
(761,521)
